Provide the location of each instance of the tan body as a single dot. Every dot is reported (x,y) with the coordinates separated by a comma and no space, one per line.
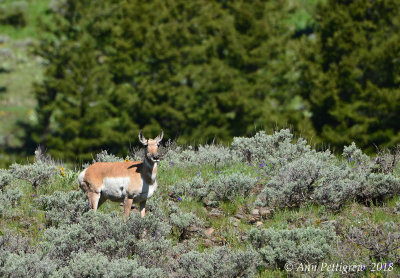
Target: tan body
(131,181)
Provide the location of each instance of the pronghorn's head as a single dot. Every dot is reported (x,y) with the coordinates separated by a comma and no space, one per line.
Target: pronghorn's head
(151,146)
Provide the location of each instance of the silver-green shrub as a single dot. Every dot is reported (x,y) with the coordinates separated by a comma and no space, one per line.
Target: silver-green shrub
(11,241)
(335,188)
(299,175)
(143,238)
(104,156)
(181,221)
(5,178)
(397,208)
(382,241)
(357,157)
(295,182)
(313,177)
(274,150)
(25,265)
(301,245)
(184,220)
(219,262)
(63,207)
(8,201)
(92,264)
(216,155)
(369,185)
(377,187)
(38,173)
(223,187)
(194,188)
(226,187)
(387,159)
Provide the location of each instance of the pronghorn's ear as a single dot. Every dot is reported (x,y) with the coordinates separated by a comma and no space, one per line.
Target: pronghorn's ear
(160,137)
(142,139)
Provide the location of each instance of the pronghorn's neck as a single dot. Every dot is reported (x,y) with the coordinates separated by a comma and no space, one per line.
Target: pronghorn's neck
(149,170)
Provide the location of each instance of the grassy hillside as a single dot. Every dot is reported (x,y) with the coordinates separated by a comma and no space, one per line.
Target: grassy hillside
(264,204)
(19,68)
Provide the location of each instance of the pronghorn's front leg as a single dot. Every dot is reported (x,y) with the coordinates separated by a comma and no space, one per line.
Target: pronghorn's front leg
(142,213)
(94,198)
(142,208)
(127,207)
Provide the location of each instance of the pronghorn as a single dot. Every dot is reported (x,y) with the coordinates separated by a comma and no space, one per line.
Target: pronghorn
(128,181)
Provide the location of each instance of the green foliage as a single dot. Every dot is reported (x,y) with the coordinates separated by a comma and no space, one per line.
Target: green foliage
(201,70)
(302,245)
(73,109)
(24,18)
(350,72)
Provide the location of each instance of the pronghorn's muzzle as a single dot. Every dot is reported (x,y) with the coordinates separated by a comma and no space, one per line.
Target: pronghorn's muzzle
(155,157)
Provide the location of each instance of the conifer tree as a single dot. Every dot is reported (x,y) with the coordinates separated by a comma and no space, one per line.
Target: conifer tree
(198,69)
(74,117)
(351,73)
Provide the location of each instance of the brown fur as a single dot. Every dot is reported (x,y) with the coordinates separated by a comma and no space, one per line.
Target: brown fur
(141,174)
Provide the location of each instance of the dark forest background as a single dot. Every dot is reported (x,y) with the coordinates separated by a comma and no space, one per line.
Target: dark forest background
(202,71)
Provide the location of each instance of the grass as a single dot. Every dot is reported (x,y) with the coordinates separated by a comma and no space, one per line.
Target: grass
(187,205)
(16,101)
(35,14)
(19,70)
